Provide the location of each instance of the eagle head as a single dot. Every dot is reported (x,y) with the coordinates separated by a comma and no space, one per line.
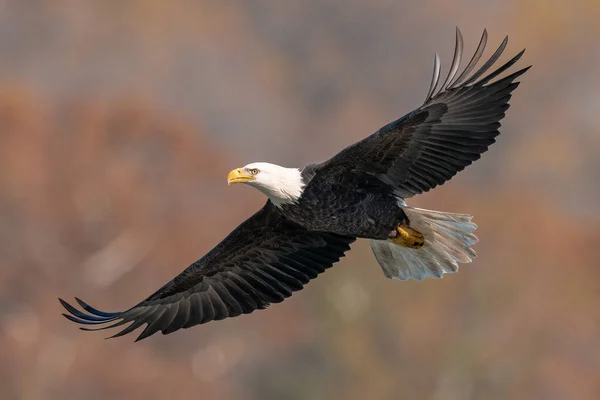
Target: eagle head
(281,185)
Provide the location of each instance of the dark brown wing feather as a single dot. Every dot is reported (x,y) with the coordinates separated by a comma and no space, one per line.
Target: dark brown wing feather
(456,124)
(262,261)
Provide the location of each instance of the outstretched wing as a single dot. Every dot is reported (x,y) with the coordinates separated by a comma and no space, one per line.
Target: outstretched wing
(457,123)
(262,261)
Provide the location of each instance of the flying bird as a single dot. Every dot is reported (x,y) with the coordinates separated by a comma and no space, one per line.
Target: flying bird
(313,214)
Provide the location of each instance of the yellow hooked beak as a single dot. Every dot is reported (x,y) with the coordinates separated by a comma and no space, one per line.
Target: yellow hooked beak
(239,175)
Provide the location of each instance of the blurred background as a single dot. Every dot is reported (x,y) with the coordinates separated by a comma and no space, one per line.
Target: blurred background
(120,120)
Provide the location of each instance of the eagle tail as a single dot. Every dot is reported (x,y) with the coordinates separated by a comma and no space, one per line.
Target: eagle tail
(448,241)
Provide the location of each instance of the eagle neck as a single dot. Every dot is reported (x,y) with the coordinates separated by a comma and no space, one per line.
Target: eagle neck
(287,189)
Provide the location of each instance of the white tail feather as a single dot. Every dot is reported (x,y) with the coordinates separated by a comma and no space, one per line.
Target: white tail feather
(448,241)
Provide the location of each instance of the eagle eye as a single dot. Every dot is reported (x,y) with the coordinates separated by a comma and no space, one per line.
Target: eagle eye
(253,171)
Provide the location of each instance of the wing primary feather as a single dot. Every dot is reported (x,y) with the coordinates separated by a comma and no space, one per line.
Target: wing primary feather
(118,323)
(92,310)
(138,321)
(511,78)
(169,316)
(474,60)
(133,314)
(82,315)
(502,68)
(153,325)
(458,51)
(134,325)
(159,321)
(488,63)
(78,313)
(434,79)
(183,313)
(83,321)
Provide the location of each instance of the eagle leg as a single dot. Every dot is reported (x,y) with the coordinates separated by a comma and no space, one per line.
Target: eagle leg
(407,237)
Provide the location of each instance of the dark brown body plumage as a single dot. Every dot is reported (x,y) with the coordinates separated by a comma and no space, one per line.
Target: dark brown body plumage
(339,201)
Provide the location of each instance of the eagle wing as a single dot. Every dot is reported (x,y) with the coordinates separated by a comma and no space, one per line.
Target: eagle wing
(457,123)
(262,261)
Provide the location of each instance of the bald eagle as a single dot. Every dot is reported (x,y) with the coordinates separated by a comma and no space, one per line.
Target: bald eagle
(314,213)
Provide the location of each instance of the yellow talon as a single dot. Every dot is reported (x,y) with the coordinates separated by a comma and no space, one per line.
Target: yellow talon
(408,237)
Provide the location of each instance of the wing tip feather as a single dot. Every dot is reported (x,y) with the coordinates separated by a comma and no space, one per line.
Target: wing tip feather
(434,79)
(466,78)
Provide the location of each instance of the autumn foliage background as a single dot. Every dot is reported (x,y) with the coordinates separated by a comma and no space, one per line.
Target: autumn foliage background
(120,120)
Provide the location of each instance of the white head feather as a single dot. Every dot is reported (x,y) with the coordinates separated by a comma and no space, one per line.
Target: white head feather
(281,185)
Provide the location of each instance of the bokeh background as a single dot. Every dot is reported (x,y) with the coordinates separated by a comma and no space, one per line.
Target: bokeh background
(119,121)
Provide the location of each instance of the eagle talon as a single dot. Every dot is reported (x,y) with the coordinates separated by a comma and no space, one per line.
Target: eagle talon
(408,237)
